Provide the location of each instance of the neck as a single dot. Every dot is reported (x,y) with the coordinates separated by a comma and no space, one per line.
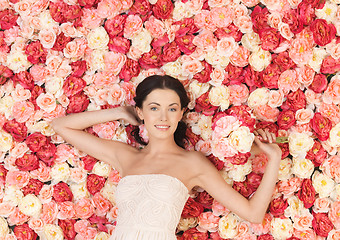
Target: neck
(156,146)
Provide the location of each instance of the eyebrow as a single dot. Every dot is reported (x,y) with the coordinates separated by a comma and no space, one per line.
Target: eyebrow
(159,104)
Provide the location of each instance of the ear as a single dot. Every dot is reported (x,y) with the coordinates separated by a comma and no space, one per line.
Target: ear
(140,113)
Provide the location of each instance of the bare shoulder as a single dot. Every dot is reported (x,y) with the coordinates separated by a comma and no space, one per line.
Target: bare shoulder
(199,162)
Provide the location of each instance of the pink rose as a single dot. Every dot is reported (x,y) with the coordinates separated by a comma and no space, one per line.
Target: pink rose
(130,69)
(5,74)
(16,129)
(150,59)
(230,31)
(171,52)
(277,206)
(28,162)
(61,42)
(141,7)
(84,209)
(24,232)
(193,233)
(306,13)
(240,56)
(192,208)
(133,25)
(270,76)
(321,224)
(22,111)
(291,18)
(204,75)
(284,61)
(207,222)
(319,83)
(6,208)
(95,183)
(88,3)
(102,205)
(49,212)
(17,218)
(321,126)
(47,154)
(66,210)
(17,178)
(295,100)
(307,193)
(57,10)
(78,68)
(115,26)
(25,79)
(119,44)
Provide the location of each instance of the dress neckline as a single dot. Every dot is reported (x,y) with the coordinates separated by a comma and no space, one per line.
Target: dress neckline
(156,174)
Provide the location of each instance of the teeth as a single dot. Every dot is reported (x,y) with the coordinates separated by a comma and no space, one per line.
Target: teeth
(162,126)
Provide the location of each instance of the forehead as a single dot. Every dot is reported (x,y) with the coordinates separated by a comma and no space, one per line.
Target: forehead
(164,96)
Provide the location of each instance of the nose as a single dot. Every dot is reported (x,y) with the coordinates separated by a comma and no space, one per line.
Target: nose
(164,116)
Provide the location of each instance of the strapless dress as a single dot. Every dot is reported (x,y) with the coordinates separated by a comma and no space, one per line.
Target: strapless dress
(149,207)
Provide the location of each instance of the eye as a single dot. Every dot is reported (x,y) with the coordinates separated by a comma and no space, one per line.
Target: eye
(173,109)
(153,108)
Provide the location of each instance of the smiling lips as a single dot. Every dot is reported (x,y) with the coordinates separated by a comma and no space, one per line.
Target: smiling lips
(163,127)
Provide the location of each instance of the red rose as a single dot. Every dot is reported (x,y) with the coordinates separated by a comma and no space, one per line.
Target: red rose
(33,187)
(330,65)
(193,233)
(119,44)
(307,193)
(185,44)
(57,10)
(243,114)
(24,232)
(73,86)
(99,222)
(160,42)
(88,3)
(270,76)
(271,127)
(141,7)
(238,159)
(277,206)
(321,126)
(293,238)
(321,224)
(187,26)
(170,52)
(259,17)
(251,78)
(270,38)
(89,162)
(243,188)
(295,101)
(35,141)
(291,18)
(62,192)
(191,137)
(25,79)
(204,75)
(317,154)
(47,153)
(150,59)
(35,92)
(323,33)
(72,12)
(5,74)
(16,129)
(216,161)
(230,31)
(319,83)
(234,75)
(78,103)
(115,26)
(78,68)
(286,119)
(130,69)
(3,174)
(215,236)
(265,237)
(28,162)
(8,19)
(254,180)
(95,183)
(284,61)
(163,9)
(67,225)
(192,208)
(306,13)
(203,105)
(205,199)
(285,149)
(60,42)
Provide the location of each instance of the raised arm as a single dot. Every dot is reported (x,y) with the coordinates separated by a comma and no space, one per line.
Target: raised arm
(71,129)
(254,209)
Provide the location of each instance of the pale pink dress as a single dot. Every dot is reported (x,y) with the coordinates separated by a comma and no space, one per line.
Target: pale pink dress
(149,207)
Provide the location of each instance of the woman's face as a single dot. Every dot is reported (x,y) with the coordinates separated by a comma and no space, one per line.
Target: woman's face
(161,112)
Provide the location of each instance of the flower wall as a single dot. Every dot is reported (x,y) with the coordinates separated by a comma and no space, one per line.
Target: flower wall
(246,64)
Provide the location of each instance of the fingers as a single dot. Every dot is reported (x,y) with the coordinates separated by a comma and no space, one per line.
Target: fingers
(265,135)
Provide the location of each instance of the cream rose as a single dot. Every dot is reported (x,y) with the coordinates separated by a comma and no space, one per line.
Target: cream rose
(98,38)
(284,171)
(302,167)
(17,61)
(6,141)
(13,195)
(97,62)
(316,60)
(204,125)
(299,144)
(102,169)
(197,89)
(30,205)
(295,207)
(180,11)
(79,190)
(173,69)
(227,226)
(101,236)
(323,184)
(6,105)
(219,96)
(53,232)
(212,57)
(335,194)
(4,229)
(334,136)
(142,41)
(242,139)
(260,59)
(54,85)
(60,172)
(46,21)
(251,41)
(328,12)
(238,172)
(186,223)
(259,96)
(281,228)
(108,192)
(44,127)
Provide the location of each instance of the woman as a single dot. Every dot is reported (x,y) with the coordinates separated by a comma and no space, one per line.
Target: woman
(156,179)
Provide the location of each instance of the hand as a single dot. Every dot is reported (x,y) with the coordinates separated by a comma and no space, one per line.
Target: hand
(130,115)
(266,141)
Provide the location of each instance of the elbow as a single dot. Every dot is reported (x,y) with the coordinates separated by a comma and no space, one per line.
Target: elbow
(55,124)
(256,218)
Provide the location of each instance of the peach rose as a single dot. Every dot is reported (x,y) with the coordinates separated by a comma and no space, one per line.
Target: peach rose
(222,17)
(49,212)
(109,8)
(47,102)
(42,173)
(322,205)
(78,175)
(312,97)
(305,75)
(155,27)
(266,113)
(275,98)
(22,111)
(192,67)
(205,21)
(116,95)
(334,234)
(114,62)
(262,228)
(17,218)
(64,69)
(307,234)
(331,167)
(91,19)
(66,210)
(84,209)
(38,6)
(19,150)
(285,31)
(244,24)
(75,49)
(18,179)
(300,51)
(242,230)
(114,176)
(203,147)
(331,111)
(332,93)
(240,56)
(259,163)
(133,25)
(52,63)
(46,193)
(303,115)
(303,221)
(239,10)
(6,208)
(226,46)
(102,205)
(20,93)
(290,186)
(47,38)
(288,80)
(274,19)
(59,111)
(238,94)
(112,214)
(205,40)
(39,73)
(207,221)
(36,224)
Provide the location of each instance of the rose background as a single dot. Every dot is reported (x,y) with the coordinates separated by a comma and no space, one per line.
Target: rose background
(245,64)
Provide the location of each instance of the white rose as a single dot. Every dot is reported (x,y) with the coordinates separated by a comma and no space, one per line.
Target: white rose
(120,135)
(142,41)
(173,69)
(242,139)
(284,171)
(43,127)
(53,232)
(12,195)
(335,194)
(79,190)
(17,61)
(226,52)
(46,21)
(259,96)
(260,59)
(197,89)
(108,191)
(299,144)
(213,58)
(30,205)
(4,229)
(60,172)
(219,96)
(281,228)
(98,38)
(302,167)
(316,60)
(6,105)
(204,125)
(251,41)
(334,136)
(323,184)
(295,207)
(227,226)
(97,60)
(102,169)
(54,85)
(101,236)
(328,12)
(238,172)
(186,223)
(180,11)
(6,141)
